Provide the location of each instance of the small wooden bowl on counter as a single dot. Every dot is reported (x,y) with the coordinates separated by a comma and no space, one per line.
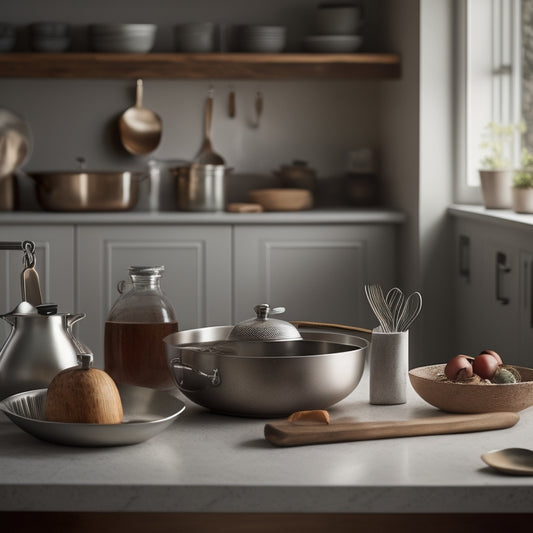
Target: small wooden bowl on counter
(456,397)
(282,199)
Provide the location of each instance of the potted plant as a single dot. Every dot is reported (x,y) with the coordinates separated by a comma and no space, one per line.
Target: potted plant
(522,192)
(496,173)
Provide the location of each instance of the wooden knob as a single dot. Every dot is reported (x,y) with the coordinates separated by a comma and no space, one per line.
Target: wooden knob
(83,394)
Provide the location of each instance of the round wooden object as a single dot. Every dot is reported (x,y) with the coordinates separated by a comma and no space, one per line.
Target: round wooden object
(83,394)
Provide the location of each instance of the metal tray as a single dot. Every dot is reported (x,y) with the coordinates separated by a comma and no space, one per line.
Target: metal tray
(147,412)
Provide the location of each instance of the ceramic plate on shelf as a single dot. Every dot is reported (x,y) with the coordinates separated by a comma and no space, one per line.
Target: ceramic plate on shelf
(147,412)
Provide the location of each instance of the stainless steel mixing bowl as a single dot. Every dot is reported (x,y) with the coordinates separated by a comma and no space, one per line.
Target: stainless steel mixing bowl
(265,379)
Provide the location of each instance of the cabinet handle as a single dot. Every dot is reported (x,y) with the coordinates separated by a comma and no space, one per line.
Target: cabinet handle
(528,265)
(501,269)
(464,257)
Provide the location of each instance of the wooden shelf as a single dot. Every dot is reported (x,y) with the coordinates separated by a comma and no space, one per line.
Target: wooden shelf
(200,66)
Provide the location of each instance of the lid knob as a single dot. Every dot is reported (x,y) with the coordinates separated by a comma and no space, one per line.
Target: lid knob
(263,328)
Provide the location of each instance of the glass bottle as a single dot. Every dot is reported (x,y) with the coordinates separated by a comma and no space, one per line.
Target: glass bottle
(142,316)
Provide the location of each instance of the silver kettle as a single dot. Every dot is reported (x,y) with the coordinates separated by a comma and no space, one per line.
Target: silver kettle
(40,345)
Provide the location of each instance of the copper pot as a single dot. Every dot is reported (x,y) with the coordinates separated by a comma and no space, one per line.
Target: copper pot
(298,175)
(87,191)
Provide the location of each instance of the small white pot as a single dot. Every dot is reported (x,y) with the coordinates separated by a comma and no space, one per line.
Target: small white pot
(496,186)
(523,199)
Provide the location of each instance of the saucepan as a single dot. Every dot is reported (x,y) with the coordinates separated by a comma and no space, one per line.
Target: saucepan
(269,378)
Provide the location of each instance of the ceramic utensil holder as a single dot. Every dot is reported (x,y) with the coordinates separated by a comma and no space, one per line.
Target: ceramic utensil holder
(389,366)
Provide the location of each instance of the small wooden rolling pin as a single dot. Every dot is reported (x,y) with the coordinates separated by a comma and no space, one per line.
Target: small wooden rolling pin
(296,434)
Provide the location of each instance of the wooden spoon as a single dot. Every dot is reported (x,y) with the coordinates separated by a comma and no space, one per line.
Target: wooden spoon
(140,128)
(206,155)
(290,434)
(517,461)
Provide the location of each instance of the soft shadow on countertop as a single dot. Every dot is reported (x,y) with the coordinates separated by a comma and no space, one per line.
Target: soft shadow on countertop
(257,444)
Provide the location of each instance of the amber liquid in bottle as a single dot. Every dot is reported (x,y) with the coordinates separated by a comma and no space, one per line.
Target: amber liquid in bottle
(135,353)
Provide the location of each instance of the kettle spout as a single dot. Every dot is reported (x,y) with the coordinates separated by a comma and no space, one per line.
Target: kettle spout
(72,319)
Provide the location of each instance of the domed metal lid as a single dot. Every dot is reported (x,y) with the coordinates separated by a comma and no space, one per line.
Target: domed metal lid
(264,328)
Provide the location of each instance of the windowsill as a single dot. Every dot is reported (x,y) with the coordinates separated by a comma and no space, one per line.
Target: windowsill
(503,217)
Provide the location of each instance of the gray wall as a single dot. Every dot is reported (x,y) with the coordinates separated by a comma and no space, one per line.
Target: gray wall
(317,121)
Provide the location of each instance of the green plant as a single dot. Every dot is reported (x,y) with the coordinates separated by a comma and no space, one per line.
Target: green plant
(523,178)
(498,143)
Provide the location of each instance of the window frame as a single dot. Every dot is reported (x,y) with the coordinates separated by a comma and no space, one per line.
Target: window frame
(488,84)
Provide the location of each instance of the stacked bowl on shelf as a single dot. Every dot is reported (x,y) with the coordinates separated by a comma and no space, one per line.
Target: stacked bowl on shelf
(195,37)
(262,39)
(50,36)
(122,38)
(7,37)
(337,25)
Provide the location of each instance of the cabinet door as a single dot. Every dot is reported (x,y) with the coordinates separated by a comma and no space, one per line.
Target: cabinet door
(525,356)
(54,264)
(316,272)
(500,307)
(470,284)
(197,277)
(487,289)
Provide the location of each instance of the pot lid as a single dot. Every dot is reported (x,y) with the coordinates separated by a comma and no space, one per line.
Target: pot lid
(264,328)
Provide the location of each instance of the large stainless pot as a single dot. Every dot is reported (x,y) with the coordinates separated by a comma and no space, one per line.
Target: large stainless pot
(87,190)
(201,187)
(266,378)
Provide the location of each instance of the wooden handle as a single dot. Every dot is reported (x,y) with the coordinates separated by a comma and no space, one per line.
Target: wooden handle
(231,104)
(294,434)
(365,333)
(242,207)
(139,93)
(208,116)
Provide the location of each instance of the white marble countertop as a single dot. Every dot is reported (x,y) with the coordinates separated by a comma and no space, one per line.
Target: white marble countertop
(312,216)
(212,463)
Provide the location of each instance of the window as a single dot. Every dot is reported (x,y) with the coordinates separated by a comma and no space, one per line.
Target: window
(489,76)
(527,69)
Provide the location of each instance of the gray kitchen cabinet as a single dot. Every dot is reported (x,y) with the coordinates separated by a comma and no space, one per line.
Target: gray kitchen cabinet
(54,263)
(197,277)
(469,288)
(214,273)
(493,291)
(525,304)
(317,272)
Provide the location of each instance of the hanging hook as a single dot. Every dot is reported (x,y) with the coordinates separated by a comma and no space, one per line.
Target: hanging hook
(258,108)
(231,102)
(29,254)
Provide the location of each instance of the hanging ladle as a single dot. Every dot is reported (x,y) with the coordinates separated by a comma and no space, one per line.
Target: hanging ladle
(206,155)
(140,128)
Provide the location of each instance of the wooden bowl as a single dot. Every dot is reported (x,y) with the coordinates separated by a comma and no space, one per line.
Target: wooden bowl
(465,398)
(282,199)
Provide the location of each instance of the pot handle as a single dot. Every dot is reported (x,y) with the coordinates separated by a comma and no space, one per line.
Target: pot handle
(212,379)
(365,333)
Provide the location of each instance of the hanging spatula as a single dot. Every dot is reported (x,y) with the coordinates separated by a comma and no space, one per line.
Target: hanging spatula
(30,285)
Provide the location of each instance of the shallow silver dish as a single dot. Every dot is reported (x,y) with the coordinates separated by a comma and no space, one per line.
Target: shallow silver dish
(147,412)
